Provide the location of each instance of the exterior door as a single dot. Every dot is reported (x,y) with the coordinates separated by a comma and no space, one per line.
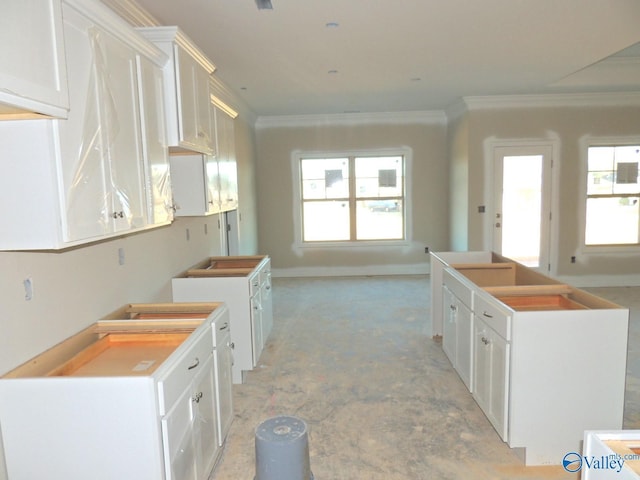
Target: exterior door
(522,204)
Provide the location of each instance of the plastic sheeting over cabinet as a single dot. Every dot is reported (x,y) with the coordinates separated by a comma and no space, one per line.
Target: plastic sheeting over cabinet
(107,164)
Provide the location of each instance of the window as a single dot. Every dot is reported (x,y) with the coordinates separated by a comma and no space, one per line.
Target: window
(352,198)
(613,194)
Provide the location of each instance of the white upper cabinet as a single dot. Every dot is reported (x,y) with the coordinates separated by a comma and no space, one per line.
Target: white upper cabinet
(154,143)
(194,179)
(33,77)
(100,172)
(189,124)
(227,166)
(100,151)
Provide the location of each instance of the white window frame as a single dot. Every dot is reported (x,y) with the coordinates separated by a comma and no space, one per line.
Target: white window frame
(598,141)
(296,158)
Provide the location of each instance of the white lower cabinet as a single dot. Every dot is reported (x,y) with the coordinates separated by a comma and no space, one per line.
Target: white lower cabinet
(244,284)
(546,356)
(132,396)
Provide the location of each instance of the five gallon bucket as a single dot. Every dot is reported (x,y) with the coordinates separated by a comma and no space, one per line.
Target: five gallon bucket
(282,450)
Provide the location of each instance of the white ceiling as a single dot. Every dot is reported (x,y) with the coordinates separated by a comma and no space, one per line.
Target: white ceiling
(409,55)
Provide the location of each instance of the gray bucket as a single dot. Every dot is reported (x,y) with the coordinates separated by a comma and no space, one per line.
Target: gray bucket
(282,449)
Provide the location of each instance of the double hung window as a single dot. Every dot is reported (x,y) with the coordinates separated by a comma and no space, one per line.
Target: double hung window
(352,198)
(613,195)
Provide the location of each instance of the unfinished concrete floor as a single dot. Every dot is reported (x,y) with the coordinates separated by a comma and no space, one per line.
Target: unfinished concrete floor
(354,358)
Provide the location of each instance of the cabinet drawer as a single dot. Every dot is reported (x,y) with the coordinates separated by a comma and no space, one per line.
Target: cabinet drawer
(493,313)
(459,287)
(176,380)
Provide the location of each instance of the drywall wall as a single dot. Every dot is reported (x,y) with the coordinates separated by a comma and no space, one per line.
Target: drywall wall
(428,211)
(247,209)
(458,148)
(72,289)
(568,126)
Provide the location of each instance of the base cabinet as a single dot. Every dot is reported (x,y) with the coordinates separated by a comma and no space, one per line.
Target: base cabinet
(244,284)
(128,397)
(609,455)
(537,347)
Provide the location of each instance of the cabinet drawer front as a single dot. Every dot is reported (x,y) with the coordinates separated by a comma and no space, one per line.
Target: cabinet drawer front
(494,314)
(186,367)
(458,287)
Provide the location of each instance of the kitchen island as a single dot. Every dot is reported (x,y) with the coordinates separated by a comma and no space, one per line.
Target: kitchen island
(545,361)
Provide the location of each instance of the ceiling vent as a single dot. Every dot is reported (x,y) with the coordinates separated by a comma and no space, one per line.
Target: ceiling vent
(264,5)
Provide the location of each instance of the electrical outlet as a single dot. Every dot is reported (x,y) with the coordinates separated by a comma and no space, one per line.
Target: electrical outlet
(188,235)
(426,249)
(28,288)
(206,229)
(573,259)
(121,256)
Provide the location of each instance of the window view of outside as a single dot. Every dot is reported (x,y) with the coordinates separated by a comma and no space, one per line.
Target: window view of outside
(613,191)
(522,208)
(352,198)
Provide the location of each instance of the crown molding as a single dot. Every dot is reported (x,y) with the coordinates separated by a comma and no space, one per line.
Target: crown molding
(611,99)
(341,119)
(132,13)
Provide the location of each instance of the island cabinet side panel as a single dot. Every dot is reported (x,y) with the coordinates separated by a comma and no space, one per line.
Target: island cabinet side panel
(67,428)
(567,376)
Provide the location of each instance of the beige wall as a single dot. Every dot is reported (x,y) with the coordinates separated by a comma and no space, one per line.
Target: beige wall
(568,125)
(247,210)
(74,288)
(458,148)
(428,206)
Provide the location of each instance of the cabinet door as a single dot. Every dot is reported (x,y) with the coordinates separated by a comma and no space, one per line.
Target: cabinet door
(204,420)
(224,397)
(212,185)
(118,91)
(464,343)
(481,365)
(266,297)
(33,74)
(178,441)
(449,324)
(491,375)
(154,143)
(82,176)
(194,118)
(225,143)
(256,327)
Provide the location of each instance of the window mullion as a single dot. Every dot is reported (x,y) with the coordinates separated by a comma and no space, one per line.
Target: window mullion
(352,198)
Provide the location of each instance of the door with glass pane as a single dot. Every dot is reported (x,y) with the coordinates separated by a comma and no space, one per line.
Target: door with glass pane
(522,204)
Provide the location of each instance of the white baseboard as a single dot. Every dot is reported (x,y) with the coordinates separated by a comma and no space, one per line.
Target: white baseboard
(628,280)
(343,271)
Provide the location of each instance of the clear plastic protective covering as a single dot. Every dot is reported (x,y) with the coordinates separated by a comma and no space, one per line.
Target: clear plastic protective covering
(103,187)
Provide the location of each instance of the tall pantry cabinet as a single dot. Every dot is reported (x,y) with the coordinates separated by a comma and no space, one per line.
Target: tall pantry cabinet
(103,171)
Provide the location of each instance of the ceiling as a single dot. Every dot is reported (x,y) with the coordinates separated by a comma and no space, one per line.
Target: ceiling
(336,56)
